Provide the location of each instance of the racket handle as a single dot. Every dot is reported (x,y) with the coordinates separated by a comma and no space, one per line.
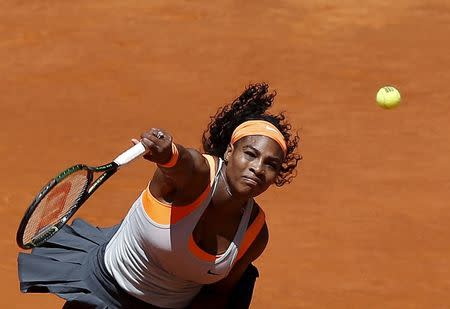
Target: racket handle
(130,154)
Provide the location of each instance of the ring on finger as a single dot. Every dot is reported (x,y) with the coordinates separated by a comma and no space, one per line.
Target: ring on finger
(159,135)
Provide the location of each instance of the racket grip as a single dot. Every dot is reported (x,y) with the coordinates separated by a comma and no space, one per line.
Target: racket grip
(130,154)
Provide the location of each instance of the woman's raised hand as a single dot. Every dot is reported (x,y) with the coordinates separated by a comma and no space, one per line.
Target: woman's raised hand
(158,143)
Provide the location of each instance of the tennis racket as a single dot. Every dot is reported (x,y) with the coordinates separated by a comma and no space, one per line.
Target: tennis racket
(58,201)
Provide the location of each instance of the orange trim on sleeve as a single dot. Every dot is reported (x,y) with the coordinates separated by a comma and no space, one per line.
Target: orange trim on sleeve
(165,213)
(251,233)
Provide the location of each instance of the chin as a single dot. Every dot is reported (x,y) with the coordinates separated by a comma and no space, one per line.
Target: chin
(247,192)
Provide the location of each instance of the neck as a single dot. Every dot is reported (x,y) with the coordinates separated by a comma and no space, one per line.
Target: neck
(226,200)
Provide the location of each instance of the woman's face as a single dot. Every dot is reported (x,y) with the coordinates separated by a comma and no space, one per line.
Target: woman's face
(253,165)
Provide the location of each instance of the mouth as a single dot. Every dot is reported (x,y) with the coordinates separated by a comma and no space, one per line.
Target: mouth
(254,182)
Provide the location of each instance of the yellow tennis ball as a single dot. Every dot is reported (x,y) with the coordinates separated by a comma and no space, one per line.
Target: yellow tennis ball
(388,97)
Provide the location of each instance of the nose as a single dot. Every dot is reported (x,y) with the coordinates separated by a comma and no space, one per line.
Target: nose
(257,168)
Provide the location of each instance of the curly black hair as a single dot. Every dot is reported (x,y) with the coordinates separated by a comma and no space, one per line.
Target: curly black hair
(252,104)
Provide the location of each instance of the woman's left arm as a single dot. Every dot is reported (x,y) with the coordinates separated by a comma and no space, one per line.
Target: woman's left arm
(217,295)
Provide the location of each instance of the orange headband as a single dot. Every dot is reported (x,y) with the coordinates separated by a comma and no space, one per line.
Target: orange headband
(259,127)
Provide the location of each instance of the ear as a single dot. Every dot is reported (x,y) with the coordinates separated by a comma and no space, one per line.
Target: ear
(228,152)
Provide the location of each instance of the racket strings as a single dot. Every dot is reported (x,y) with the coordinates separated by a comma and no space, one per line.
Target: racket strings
(56,204)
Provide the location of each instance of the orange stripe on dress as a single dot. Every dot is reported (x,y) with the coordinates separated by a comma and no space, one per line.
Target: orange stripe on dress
(249,236)
(165,213)
(251,233)
(199,252)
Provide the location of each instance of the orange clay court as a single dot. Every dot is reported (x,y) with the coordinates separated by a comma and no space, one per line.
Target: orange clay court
(366,222)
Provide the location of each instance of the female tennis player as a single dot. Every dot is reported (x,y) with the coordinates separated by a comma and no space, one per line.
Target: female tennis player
(190,238)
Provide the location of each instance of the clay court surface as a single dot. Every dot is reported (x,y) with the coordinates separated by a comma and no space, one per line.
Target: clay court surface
(366,222)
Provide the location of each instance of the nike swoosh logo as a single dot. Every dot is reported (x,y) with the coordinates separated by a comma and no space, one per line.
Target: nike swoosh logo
(271,129)
(211,273)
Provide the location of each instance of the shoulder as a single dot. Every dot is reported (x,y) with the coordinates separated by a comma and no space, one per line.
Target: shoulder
(198,174)
(184,183)
(202,162)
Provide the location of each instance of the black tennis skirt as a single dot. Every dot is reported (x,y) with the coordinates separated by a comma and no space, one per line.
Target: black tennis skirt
(71,265)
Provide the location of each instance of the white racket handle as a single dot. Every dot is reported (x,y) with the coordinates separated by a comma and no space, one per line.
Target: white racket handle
(129,155)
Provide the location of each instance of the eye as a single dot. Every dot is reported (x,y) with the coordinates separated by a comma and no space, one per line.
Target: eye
(272,165)
(250,154)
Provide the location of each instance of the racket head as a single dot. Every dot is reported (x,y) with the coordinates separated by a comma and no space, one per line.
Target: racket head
(53,206)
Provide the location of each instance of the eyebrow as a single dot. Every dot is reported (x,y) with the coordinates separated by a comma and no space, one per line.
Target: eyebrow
(259,152)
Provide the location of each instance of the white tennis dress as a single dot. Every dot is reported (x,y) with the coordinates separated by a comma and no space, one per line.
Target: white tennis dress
(153,255)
